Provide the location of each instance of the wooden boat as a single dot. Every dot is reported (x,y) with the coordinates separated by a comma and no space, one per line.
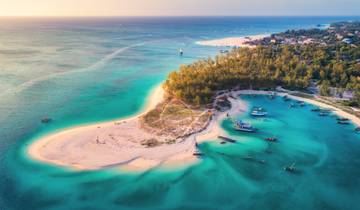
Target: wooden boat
(227,139)
(342,119)
(343,122)
(323,114)
(290,168)
(271,139)
(286,98)
(46,120)
(197,153)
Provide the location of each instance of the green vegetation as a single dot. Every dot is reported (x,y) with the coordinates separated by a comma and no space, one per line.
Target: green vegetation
(174,119)
(267,66)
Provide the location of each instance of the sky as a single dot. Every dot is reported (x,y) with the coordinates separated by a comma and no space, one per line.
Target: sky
(179,7)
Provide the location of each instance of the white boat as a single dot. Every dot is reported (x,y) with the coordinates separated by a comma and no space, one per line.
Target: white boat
(242,126)
(258,112)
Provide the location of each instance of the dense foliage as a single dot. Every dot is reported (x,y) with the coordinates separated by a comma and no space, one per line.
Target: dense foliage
(291,66)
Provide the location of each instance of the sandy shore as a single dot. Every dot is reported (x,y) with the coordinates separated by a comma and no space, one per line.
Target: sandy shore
(117,144)
(110,144)
(232,41)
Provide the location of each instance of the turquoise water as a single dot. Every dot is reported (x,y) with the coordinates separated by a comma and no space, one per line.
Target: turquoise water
(79,71)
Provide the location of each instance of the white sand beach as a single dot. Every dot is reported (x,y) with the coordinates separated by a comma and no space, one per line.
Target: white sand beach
(232,41)
(109,144)
(116,144)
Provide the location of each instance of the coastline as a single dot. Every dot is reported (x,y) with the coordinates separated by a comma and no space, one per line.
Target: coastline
(152,101)
(334,109)
(232,41)
(78,151)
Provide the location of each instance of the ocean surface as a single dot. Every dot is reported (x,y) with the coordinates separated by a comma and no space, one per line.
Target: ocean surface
(85,70)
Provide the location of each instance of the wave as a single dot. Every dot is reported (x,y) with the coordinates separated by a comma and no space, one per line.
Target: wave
(103,61)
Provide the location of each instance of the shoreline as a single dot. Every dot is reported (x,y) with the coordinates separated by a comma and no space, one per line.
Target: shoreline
(83,154)
(334,109)
(232,41)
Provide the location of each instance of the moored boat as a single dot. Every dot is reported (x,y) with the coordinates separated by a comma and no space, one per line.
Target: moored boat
(258,112)
(342,119)
(290,168)
(197,153)
(242,126)
(46,120)
(227,139)
(343,122)
(286,98)
(323,114)
(271,139)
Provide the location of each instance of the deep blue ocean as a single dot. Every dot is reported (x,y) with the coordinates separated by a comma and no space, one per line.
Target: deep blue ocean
(86,70)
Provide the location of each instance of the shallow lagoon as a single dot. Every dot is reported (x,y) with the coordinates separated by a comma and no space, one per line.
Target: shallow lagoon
(226,178)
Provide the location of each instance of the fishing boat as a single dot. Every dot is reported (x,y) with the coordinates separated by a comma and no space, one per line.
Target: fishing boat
(342,119)
(271,96)
(343,122)
(46,120)
(357,129)
(258,112)
(290,168)
(197,153)
(323,114)
(301,103)
(316,110)
(181,52)
(286,98)
(271,139)
(227,139)
(242,126)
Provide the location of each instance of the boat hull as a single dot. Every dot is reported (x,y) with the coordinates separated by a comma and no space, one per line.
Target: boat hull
(248,130)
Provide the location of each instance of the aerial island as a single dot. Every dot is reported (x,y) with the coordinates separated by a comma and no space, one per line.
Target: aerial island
(318,66)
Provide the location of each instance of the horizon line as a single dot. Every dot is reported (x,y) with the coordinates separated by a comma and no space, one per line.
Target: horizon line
(115,16)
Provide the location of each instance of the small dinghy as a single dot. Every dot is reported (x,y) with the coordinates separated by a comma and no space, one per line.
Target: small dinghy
(292,105)
(343,122)
(286,98)
(271,139)
(342,119)
(198,153)
(46,120)
(323,114)
(291,168)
